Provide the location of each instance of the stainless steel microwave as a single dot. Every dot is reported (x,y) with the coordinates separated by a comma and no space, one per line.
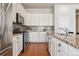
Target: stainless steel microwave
(19,18)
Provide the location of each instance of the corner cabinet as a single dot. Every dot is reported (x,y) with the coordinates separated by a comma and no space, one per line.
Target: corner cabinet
(17,44)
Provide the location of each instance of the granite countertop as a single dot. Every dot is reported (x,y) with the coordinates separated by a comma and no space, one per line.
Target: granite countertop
(71,39)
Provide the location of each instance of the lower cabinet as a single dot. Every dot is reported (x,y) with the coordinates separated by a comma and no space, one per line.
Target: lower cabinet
(57,47)
(17,44)
(60,48)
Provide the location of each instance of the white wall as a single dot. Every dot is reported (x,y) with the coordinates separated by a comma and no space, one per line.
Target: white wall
(65,14)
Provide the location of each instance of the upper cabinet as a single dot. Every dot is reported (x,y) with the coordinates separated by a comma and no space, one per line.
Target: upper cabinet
(39,19)
(18,8)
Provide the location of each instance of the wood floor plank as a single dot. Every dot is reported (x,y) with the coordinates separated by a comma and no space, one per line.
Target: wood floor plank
(36,49)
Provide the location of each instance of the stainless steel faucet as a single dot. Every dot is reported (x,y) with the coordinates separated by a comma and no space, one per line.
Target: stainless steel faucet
(66,31)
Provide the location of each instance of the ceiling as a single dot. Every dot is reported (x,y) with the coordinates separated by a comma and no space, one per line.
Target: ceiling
(37,5)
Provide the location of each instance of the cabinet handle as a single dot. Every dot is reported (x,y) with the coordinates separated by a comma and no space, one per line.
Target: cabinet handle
(59,44)
(58,50)
(17,37)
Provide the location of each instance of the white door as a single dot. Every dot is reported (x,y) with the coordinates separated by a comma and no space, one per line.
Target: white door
(38,37)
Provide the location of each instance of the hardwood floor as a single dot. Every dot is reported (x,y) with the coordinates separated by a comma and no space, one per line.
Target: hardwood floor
(36,49)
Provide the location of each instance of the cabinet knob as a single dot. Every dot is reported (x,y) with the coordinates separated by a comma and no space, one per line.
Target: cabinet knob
(59,44)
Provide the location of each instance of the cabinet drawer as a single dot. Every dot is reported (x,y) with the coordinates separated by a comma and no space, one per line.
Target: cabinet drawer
(62,46)
(60,52)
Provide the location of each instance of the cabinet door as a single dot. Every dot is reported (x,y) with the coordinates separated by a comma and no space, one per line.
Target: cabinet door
(17,44)
(50,20)
(72,51)
(43,37)
(61,48)
(33,37)
(27,20)
(36,36)
(61,52)
(53,47)
(62,45)
(20,40)
(14,46)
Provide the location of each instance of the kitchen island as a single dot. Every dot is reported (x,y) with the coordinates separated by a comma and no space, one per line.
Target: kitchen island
(58,45)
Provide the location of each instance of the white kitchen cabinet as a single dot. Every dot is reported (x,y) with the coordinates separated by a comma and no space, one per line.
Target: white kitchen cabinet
(62,45)
(57,47)
(53,46)
(50,21)
(33,37)
(72,51)
(60,48)
(61,52)
(28,20)
(17,44)
(39,19)
(43,37)
(32,19)
(38,37)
